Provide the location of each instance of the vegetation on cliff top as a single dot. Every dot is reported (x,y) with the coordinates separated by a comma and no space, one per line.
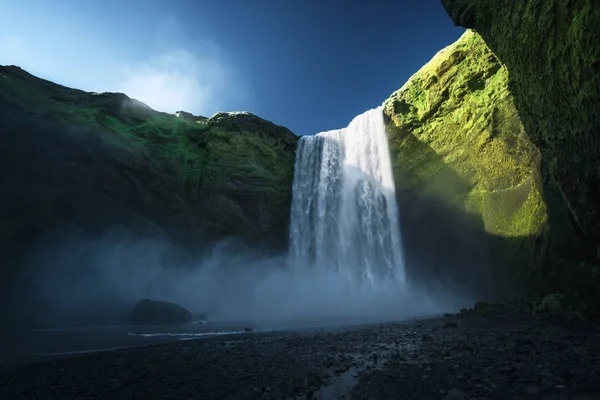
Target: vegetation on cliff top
(231,173)
(455,134)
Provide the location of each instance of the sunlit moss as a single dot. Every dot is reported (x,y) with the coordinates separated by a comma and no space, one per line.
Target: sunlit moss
(469,121)
(455,134)
(551,49)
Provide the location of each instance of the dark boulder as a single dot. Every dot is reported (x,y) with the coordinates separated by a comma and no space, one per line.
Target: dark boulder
(152,312)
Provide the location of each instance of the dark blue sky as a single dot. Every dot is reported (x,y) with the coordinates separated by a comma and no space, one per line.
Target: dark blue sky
(309,65)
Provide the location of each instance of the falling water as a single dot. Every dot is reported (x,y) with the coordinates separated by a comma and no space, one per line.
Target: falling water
(344,214)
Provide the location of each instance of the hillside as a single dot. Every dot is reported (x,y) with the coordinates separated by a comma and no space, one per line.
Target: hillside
(78,163)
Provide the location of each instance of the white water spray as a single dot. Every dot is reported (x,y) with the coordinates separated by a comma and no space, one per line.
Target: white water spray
(345,242)
(344,212)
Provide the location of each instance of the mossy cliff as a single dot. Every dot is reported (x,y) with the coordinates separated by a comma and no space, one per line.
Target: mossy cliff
(551,49)
(92,161)
(457,142)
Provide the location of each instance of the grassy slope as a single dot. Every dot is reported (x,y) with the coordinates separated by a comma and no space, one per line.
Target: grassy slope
(455,134)
(237,174)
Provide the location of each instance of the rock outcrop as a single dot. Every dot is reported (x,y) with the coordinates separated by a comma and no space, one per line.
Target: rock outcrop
(467,176)
(153,312)
(83,163)
(98,159)
(552,52)
(551,49)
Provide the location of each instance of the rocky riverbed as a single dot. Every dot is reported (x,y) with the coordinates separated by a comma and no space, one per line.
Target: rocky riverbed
(446,358)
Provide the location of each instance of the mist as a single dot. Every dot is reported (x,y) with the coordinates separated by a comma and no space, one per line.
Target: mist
(81,281)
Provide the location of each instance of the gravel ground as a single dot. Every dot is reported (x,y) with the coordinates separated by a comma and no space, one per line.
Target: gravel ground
(447,358)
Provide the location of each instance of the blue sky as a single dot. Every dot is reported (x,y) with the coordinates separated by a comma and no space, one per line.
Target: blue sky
(310,65)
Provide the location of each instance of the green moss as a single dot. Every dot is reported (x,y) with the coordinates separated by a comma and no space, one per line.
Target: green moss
(552,52)
(234,160)
(467,117)
(455,134)
(551,49)
(516,212)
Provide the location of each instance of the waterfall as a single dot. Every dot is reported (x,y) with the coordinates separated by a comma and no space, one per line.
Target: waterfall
(344,214)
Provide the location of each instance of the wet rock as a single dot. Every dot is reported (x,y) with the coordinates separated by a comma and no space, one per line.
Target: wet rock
(525,341)
(427,337)
(532,389)
(585,396)
(152,312)
(482,308)
(455,394)
(462,347)
(507,369)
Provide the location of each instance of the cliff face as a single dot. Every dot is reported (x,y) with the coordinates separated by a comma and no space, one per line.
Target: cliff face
(466,174)
(90,161)
(551,49)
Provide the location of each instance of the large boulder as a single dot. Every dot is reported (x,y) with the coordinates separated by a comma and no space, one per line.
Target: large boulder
(467,176)
(152,312)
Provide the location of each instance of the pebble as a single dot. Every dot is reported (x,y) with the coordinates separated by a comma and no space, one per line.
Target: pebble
(455,394)
(449,324)
(413,361)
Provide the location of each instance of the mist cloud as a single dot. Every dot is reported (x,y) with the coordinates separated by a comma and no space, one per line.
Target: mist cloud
(78,280)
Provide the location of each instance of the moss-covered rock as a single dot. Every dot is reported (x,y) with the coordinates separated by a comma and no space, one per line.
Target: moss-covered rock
(551,49)
(96,160)
(455,135)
